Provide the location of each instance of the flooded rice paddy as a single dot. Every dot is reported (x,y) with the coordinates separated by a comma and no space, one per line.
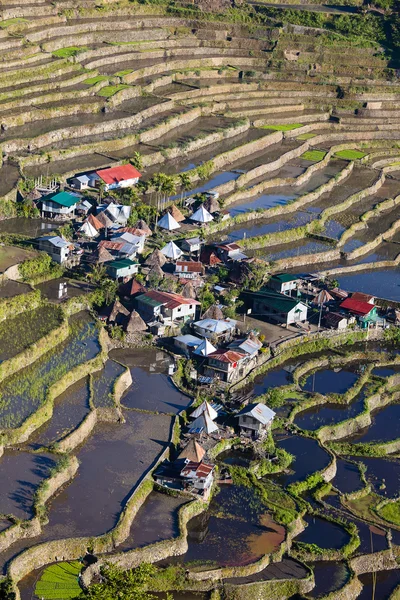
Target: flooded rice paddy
(348,478)
(235,530)
(23,393)
(103,383)
(152,388)
(329,576)
(9,288)
(302,449)
(379,585)
(385,426)
(26,329)
(382,473)
(381,283)
(330,381)
(330,413)
(325,534)
(50,289)
(26,226)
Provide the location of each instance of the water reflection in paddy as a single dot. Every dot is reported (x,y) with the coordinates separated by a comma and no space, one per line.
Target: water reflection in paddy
(382,472)
(323,533)
(308,458)
(151,389)
(329,576)
(329,414)
(27,226)
(385,426)
(383,283)
(156,520)
(347,478)
(379,585)
(329,381)
(235,530)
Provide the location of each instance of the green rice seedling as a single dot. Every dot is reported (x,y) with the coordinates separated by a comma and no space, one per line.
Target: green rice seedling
(350,154)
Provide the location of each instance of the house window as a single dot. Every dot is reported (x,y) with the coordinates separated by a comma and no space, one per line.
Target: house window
(190,306)
(179,309)
(244,419)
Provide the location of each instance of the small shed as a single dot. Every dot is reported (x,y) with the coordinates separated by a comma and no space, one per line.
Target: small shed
(192,244)
(187,343)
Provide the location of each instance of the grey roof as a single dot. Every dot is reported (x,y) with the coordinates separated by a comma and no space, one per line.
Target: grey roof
(56,241)
(189,340)
(193,241)
(260,412)
(216,326)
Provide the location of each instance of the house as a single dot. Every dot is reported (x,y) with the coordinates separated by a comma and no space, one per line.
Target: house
(220,329)
(137,241)
(116,178)
(82,182)
(201,215)
(168,222)
(192,244)
(171,251)
(208,256)
(203,424)
(189,269)
(195,477)
(204,408)
(187,343)
(59,204)
(205,348)
(167,305)
(58,249)
(122,269)
(363,297)
(276,307)
(255,420)
(135,324)
(192,452)
(119,250)
(176,213)
(230,252)
(250,345)
(88,230)
(227,365)
(334,320)
(131,289)
(116,214)
(83,207)
(366,313)
(284,283)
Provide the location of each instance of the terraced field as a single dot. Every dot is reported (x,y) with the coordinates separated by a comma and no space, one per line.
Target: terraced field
(298,130)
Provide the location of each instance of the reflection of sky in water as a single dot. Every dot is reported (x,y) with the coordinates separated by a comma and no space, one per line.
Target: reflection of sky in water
(382,283)
(310,248)
(209,185)
(264,201)
(255,228)
(334,229)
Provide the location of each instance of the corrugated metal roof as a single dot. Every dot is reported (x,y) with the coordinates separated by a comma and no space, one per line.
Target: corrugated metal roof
(118,174)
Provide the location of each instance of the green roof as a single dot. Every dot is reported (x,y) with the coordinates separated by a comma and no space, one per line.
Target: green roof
(284,277)
(123,263)
(147,300)
(278,302)
(62,198)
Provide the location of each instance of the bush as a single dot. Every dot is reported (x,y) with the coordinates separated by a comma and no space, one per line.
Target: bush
(41,267)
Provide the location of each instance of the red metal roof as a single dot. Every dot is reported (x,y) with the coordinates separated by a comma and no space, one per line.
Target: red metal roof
(228,356)
(133,231)
(191,266)
(357,306)
(111,245)
(363,297)
(169,299)
(201,469)
(118,174)
(95,222)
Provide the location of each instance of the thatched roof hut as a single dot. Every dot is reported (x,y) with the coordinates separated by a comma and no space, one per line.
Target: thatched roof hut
(176,213)
(212,205)
(103,255)
(104,219)
(156,258)
(155,271)
(189,291)
(193,451)
(135,323)
(141,224)
(117,309)
(214,312)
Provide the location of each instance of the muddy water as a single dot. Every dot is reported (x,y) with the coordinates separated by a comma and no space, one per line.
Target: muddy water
(11,255)
(329,576)
(385,426)
(9,288)
(103,382)
(9,176)
(25,226)
(302,449)
(329,414)
(151,389)
(241,458)
(379,585)
(70,408)
(323,533)
(156,520)
(328,381)
(112,462)
(23,393)
(235,530)
(20,475)
(261,227)
(382,473)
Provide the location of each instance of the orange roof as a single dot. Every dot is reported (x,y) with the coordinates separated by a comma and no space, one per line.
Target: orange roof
(95,222)
(189,266)
(133,231)
(118,174)
(228,356)
(111,245)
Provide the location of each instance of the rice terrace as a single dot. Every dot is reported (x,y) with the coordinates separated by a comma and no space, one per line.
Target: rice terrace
(199,300)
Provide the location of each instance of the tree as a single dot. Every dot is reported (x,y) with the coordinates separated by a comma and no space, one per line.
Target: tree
(137,160)
(122,585)
(97,274)
(185,184)
(66,231)
(164,185)
(109,289)
(206,297)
